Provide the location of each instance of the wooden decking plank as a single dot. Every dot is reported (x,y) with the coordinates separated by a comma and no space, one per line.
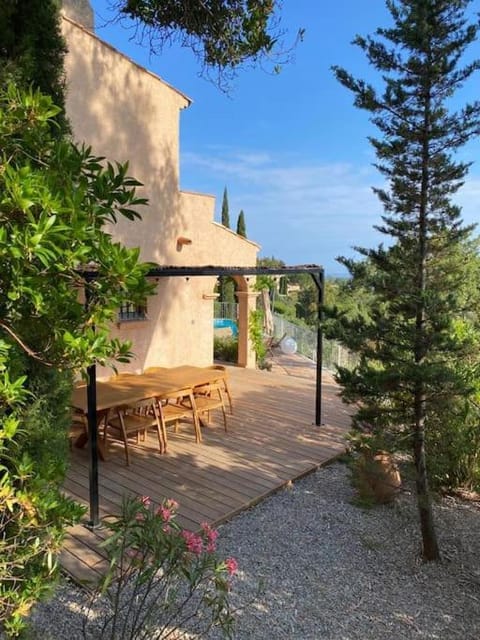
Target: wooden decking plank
(80,571)
(217,457)
(244,482)
(280,444)
(109,507)
(280,457)
(191,483)
(158,489)
(137,483)
(223,492)
(209,488)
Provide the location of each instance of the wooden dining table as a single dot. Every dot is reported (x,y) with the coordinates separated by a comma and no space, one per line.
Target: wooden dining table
(130,389)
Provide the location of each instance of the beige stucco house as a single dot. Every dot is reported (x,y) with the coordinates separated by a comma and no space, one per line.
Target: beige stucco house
(124,112)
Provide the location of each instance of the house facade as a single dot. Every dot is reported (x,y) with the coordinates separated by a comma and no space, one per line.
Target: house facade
(124,112)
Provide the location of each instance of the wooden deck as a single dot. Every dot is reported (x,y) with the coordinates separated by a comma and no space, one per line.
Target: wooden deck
(271,441)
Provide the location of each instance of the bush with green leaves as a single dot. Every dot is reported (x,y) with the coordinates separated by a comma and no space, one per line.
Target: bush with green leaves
(225,348)
(255,331)
(55,200)
(33,513)
(163,581)
(453,441)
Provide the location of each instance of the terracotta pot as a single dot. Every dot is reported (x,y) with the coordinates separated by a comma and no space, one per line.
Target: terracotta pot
(380,474)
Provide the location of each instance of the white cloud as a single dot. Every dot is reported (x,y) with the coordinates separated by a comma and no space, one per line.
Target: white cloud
(300,211)
(297,211)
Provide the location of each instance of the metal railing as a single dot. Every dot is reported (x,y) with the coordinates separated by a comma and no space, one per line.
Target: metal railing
(225,310)
(333,352)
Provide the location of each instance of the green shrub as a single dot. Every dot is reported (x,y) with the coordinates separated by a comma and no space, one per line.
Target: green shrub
(33,512)
(46,419)
(285,308)
(255,329)
(225,349)
(453,442)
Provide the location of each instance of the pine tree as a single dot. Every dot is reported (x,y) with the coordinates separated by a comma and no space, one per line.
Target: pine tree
(409,343)
(241,227)
(225,212)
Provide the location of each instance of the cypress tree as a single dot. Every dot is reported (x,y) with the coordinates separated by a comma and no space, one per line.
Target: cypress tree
(226,285)
(241,227)
(225,213)
(410,343)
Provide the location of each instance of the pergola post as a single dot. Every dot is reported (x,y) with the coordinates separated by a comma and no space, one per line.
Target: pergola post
(92,426)
(93,445)
(319,279)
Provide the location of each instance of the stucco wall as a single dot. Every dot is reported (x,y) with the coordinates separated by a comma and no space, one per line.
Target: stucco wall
(126,113)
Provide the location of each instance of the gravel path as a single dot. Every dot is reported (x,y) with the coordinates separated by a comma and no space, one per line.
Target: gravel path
(333,571)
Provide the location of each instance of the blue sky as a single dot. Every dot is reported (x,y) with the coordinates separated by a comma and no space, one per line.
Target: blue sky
(290,148)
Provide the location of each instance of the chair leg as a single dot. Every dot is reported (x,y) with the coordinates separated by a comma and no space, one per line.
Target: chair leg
(163,426)
(105,427)
(227,391)
(125,438)
(161,429)
(196,427)
(224,417)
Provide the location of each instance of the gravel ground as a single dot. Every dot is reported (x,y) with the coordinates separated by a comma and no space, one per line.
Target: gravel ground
(333,571)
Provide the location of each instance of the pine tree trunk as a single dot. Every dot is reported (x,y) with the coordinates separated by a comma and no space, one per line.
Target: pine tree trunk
(430,550)
(424,502)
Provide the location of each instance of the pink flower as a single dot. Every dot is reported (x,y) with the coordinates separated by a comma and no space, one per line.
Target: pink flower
(171,504)
(164,513)
(145,500)
(194,543)
(211,535)
(232,566)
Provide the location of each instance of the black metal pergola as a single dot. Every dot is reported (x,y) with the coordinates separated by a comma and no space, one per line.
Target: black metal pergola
(318,276)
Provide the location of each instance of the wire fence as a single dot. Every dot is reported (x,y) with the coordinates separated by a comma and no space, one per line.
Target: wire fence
(333,353)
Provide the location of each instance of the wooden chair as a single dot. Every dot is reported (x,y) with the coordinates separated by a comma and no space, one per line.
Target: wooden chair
(224,381)
(136,420)
(209,397)
(78,428)
(176,406)
(78,434)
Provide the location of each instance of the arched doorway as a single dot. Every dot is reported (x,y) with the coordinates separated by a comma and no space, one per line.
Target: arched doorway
(243,301)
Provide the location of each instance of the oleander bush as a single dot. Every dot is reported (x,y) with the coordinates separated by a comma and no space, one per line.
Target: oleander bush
(163,581)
